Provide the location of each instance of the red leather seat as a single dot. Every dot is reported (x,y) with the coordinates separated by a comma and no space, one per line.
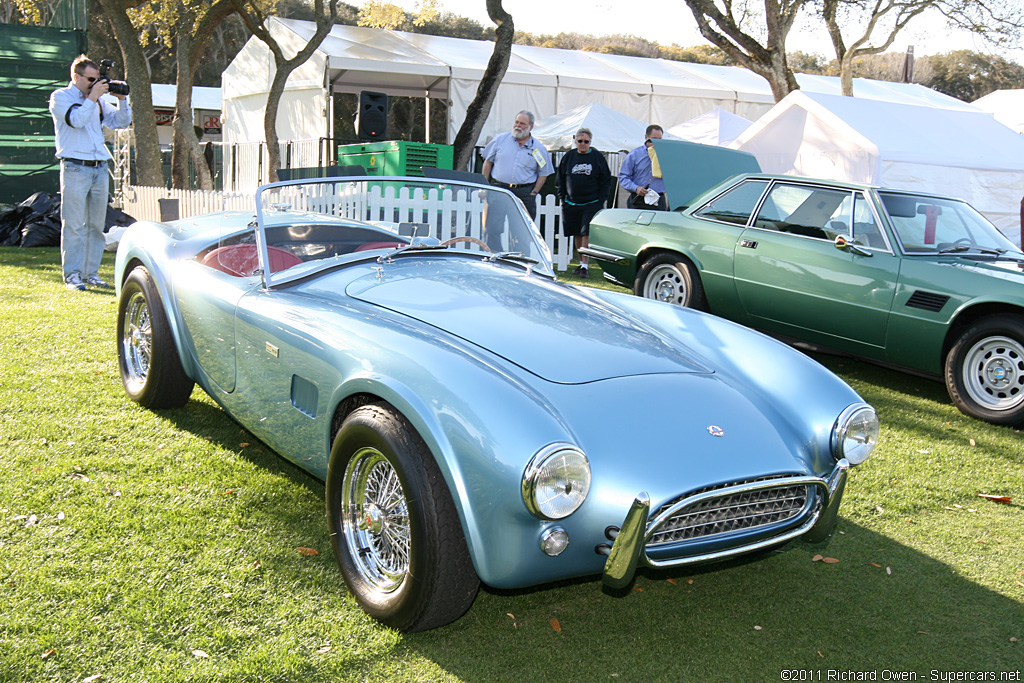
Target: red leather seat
(241,260)
(379,245)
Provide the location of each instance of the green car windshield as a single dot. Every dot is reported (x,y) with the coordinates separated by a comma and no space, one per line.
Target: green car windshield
(927,225)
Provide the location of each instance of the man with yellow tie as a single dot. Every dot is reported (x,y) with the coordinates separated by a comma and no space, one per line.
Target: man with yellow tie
(641,175)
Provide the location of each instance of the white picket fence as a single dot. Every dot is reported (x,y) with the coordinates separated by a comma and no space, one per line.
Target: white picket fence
(442,212)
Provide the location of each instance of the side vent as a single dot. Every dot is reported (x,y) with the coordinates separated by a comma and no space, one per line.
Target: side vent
(304,396)
(927,301)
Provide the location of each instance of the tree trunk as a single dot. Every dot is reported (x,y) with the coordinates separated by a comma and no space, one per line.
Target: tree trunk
(148,167)
(480,107)
(193,37)
(325,18)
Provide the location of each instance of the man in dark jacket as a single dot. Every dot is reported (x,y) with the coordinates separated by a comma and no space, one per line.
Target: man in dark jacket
(582,181)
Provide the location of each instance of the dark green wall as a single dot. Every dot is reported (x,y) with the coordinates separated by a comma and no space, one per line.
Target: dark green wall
(34,61)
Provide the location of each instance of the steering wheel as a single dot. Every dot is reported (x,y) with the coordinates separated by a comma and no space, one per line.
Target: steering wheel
(467,238)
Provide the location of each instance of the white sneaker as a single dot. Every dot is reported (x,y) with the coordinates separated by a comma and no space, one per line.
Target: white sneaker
(74,282)
(95,281)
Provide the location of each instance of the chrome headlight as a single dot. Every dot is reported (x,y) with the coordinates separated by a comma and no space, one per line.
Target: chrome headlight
(855,433)
(556,481)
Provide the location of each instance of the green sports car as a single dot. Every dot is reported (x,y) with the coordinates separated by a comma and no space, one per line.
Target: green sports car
(919,282)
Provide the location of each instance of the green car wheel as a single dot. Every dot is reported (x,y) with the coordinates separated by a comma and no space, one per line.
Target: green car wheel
(985,370)
(670,278)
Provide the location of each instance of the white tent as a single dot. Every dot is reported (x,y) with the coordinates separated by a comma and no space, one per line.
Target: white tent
(613,132)
(716,127)
(546,81)
(961,153)
(1006,105)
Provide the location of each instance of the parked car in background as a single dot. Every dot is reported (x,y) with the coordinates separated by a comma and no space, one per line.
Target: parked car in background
(912,280)
(473,418)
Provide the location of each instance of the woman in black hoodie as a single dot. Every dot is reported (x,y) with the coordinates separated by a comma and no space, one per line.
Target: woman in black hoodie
(583,181)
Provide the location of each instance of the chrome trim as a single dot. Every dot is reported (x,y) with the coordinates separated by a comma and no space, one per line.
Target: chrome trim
(529,482)
(842,425)
(836,484)
(604,255)
(629,544)
(628,551)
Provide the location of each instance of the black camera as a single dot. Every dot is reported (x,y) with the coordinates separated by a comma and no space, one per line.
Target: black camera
(114,87)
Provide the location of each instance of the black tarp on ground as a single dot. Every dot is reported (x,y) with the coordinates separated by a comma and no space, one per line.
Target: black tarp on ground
(35,222)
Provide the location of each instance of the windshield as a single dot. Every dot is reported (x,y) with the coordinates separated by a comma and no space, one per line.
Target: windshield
(932,224)
(305,225)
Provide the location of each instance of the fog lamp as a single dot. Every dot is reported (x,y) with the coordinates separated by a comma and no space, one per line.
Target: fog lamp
(554,541)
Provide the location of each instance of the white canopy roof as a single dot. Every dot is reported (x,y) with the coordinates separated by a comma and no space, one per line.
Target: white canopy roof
(957,152)
(165,96)
(613,132)
(717,127)
(546,81)
(1006,105)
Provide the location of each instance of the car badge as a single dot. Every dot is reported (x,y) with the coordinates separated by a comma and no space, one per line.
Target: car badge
(715,430)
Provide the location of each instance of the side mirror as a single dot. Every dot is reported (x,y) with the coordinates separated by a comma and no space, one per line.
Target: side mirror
(844,244)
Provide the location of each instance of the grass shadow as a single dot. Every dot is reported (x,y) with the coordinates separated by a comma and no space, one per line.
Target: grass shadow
(883,606)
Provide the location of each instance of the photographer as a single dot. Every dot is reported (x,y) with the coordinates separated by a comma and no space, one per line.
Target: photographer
(78,116)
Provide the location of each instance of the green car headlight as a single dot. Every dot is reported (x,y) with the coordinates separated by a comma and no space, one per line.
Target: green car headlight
(556,481)
(855,433)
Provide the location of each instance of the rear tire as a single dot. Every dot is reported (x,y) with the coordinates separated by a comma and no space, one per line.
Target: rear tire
(147,356)
(984,370)
(673,279)
(394,528)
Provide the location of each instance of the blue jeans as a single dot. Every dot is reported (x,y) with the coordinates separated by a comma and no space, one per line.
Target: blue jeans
(83,213)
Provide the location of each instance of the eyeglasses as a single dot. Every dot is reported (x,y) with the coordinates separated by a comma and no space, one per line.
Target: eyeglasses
(91,79)
(583,142)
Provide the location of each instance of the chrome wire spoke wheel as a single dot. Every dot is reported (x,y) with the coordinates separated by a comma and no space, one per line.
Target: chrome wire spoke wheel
(993,373)
(666,283)
(137,340)
(376,522)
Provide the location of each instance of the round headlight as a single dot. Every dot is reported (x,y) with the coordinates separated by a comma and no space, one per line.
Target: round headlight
(556,481)
(855,434)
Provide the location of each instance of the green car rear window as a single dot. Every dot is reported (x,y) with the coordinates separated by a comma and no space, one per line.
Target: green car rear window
(735,205)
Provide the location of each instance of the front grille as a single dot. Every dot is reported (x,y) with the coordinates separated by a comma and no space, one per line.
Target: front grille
(731,512)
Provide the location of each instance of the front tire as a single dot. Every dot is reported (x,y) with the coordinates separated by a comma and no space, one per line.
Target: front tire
(394,528)
(984,370)
(672,279)
(147,356)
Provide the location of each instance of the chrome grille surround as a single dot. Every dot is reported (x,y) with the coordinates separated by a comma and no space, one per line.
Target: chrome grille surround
(727,508)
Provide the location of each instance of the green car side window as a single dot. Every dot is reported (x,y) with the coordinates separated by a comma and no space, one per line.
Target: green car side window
(735,205)
(807,210)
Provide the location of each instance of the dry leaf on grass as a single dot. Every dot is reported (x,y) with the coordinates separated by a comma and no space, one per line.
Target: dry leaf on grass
(757,628)
(92,679)
(200,654)
(817,558)
(308,552)
(873,564)
(555,625)
(638,589)
(690,581)
(672,581)
(995,499)
(244,444)
(830,560)
(48,653)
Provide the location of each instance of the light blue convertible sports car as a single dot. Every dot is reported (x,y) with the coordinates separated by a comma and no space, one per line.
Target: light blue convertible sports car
(475,420)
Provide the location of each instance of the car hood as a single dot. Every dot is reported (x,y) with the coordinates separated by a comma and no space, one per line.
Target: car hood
(690,169)
(555,331)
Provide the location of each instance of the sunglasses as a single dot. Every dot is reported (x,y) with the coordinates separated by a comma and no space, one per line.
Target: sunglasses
(583,142)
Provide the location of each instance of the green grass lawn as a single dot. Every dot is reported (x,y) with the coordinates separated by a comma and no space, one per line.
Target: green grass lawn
(173,546)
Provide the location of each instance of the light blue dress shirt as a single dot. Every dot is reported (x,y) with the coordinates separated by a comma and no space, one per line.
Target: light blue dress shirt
(636,172)
(517,164)
(78,121)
